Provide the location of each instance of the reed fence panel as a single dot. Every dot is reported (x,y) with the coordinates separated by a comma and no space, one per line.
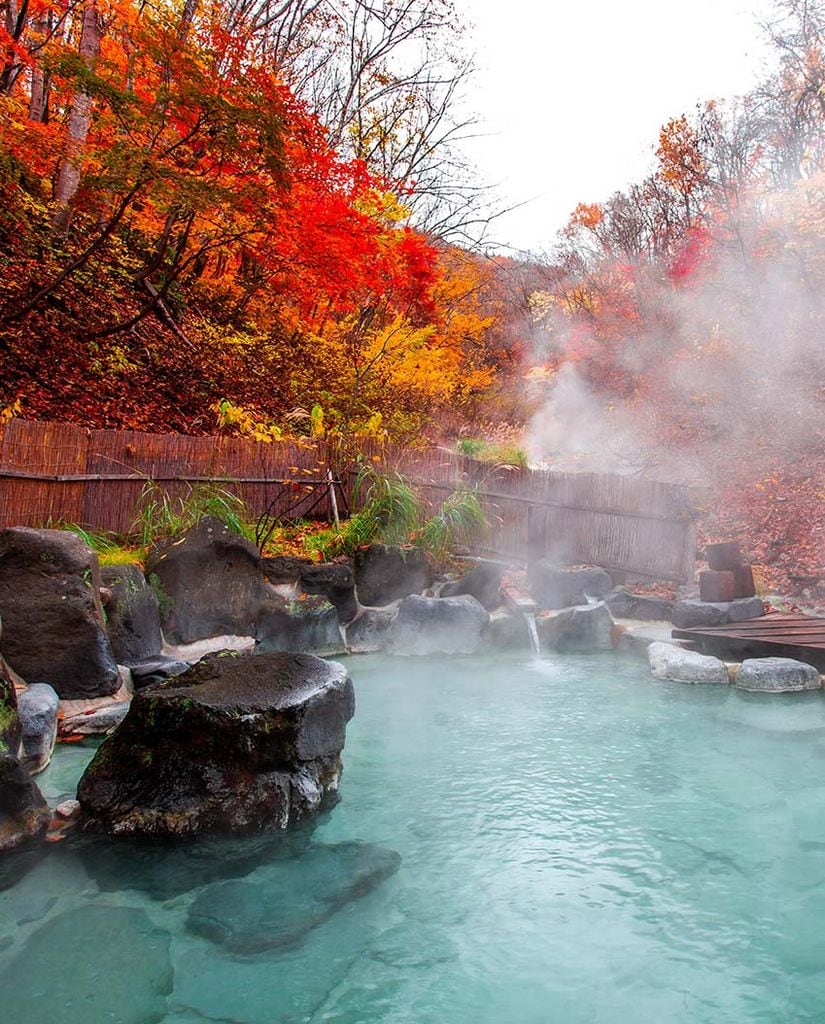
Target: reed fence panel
(57,473)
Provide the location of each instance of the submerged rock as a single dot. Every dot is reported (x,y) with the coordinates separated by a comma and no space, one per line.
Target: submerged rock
(132,613)
(678,665)
(120,973)
(553,587)
(234,744)
(24,814)
(384,574)
(776,675)
(38,705)
(53,629)
(483,582)
(291,898)
(585,628)
(208,583)
(438,625)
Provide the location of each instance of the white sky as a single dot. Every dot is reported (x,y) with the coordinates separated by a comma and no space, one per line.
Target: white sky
(572,95)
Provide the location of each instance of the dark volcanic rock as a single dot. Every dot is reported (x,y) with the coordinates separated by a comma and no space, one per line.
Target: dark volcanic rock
(235,744)
(53,630)
(209,583)
(337,584)
(37,707)
(9,718)
(438,625)
(24,814)
(294,897)
(508,631)
(625,605)
(553,587)
(588,628)
(369,631)
(483,582)
(285,568)
(132,613)
(745,608)
(306,627)
(121,972)
(690,613)
(384,574)
(152,670)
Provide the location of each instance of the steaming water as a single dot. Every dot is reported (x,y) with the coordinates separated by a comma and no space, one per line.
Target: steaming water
(533,633)
(579,844)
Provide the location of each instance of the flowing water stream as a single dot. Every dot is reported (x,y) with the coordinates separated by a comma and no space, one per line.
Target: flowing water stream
(577,844)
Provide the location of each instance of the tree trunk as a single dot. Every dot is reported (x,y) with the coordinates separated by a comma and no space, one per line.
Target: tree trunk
(80,117)
(39,98)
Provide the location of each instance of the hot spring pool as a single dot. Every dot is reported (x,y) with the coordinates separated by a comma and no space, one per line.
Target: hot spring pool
(578,844)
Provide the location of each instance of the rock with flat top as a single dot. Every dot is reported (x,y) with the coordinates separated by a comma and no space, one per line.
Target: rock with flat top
(236,744)
(625,605)
(776,675)
(483,582)
(386,573)
(680,666)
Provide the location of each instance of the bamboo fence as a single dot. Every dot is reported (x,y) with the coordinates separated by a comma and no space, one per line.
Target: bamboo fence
(56,473)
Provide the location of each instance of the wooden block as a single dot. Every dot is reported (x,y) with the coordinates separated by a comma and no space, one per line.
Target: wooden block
(723,556)
(716,586)
(743,585)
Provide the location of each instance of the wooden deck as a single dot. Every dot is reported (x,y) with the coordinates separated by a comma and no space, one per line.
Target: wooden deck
(772,636)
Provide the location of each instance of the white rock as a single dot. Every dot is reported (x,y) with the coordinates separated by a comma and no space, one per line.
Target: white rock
(669,662)
(67,809)
(776,675)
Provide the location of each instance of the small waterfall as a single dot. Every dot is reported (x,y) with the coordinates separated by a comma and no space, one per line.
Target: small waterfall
(530,619)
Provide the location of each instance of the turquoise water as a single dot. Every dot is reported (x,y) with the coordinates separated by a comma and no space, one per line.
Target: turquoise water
(578,844)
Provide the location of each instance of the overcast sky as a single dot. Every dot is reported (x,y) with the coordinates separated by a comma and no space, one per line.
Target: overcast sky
(572,95)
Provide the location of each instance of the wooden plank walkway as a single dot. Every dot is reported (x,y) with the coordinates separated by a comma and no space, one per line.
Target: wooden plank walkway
(773,636)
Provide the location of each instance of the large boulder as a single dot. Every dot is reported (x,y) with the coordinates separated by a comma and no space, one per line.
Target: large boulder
(625,605)
(24,814)
(285,568)
(278,910)
(53,626)
(132,613)
(209,583)
(483,582)
(368,632)
(121,971)
(552,586)
(307,627)
(588,627)
(237,743)
(387,573)
(776,675)
(667,661)
(691,613)
(38,706)
(438,625)
(508,631)
(334,582)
